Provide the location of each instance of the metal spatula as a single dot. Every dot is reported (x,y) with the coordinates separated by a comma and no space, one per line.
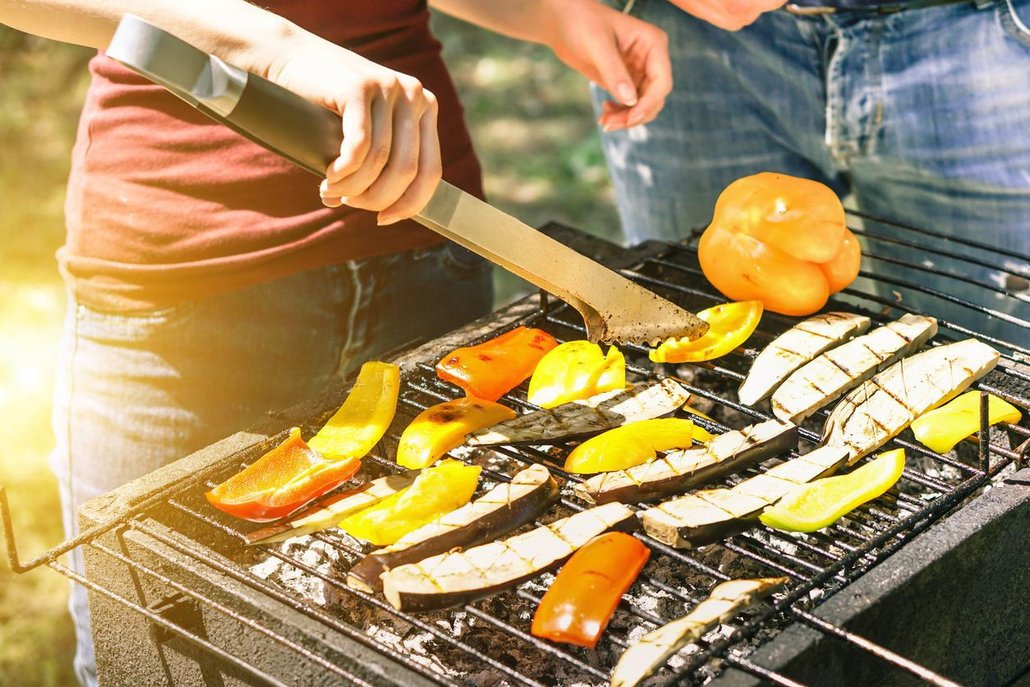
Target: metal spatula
(613,307)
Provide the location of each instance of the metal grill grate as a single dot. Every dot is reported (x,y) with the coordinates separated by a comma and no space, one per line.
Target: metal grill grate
(488,642)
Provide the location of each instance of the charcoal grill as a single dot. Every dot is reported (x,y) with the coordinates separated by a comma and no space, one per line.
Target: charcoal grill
(925,584)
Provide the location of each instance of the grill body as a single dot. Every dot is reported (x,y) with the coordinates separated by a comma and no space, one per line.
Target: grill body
(177,599)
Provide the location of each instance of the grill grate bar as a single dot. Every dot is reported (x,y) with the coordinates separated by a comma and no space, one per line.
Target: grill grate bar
(759,671)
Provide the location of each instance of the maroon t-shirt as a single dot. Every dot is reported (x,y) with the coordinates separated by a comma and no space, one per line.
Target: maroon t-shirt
(166,205)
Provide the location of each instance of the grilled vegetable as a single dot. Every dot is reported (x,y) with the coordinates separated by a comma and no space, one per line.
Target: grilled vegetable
(780,239)
(363,418)
(581,600)
(942,428)
(677,471)
(795,347)
(499,511)
(881,408)
(493,368)
(329,511)
(438,429)
(730,325)
(826,378)
(585,418)
(810,507)
(281,481)
(650,652)
(576,370)
(624,447)
(710,515)
(435,491)
(458,577)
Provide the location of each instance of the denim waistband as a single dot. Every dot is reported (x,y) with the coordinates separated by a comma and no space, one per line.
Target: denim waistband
(816,7)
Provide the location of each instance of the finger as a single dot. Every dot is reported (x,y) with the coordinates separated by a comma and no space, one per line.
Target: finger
(656,84)
(380,144)
(403,165)
(607,61)
(430,171)
(357,135)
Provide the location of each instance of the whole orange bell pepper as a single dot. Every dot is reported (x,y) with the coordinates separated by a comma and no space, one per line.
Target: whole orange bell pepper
(581,600)
(781,240)
(493,368)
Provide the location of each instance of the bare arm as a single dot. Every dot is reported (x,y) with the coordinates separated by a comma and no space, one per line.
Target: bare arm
(626,56)
(390,158)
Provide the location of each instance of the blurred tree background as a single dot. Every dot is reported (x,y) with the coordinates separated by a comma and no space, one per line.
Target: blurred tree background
(533,127)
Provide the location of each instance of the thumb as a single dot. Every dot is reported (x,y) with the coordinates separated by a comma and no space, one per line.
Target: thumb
(615,76)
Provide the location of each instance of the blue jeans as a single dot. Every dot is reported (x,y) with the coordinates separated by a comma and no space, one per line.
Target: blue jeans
(922,115)
(136,392)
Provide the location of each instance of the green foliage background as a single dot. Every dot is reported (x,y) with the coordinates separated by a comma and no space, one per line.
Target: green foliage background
(532,124)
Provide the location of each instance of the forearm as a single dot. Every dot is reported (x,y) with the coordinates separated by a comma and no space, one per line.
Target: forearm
(237,31)
(528,20)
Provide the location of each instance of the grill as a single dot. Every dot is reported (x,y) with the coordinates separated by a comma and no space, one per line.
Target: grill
(894,593)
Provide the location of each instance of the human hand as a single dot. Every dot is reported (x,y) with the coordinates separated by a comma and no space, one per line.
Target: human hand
(389,160)
(626,56)
(731,15)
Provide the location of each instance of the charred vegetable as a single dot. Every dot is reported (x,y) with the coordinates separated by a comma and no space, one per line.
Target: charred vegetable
(576,370)
(878,410)
(796,347)
(940,429)
(826,378)
(580,602)
(650,652)
(585,418)
(435,491)
(329,511)
(809,507)
(438,429)
(499,511)
(677,471)
(458,577)
(710,515)
(729,325)
(624,447)
(493,368)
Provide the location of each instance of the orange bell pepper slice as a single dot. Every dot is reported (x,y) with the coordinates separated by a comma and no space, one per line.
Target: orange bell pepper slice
(730,324)
(632,444)
(438,429)
(493,368)
(576,370)
(435,492)
(295,473)
(781,240)
(580,602)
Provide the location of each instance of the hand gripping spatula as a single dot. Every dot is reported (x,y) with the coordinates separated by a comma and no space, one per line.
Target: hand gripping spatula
(613,307)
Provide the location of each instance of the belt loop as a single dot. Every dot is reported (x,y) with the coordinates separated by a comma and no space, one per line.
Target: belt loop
(982,4)
(629,7)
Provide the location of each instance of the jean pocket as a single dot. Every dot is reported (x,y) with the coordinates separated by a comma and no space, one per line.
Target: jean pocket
(136,326)
(1015,18)
(460,263)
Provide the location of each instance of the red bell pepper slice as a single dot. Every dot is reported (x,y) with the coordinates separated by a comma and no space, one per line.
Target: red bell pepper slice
(493,368)
(281,481)
(581,600)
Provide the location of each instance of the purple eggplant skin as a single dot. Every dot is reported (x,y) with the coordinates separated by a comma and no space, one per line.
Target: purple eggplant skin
(673,485)
(365,575)
(432,600)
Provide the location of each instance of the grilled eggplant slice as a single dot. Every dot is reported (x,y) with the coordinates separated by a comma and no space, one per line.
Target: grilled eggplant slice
(584,418)
(459,577)
(650,652)
(499,511)
(677,471)
(707,516)
(833,373)
(795,347)
(331,510)
(881,408)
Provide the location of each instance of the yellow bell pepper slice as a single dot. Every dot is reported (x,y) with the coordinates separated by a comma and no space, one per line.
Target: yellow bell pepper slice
(576,370)
(700,433)
(435,492)
(629,445)
(942,428)
(438,429)
(363,418)
(730,324)
(820,503)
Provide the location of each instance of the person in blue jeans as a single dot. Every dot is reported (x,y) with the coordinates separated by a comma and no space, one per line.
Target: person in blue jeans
(920,110)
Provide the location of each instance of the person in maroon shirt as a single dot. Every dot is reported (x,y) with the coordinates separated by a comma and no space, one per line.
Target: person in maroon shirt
(210,282)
